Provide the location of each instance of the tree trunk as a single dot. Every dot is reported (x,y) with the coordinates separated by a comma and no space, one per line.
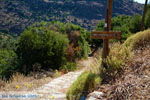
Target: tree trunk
(143,17)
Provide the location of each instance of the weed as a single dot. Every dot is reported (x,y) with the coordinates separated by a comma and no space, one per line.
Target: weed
(85,83)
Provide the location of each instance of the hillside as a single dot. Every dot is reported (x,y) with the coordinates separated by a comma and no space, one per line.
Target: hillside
(15,15)
(133,80)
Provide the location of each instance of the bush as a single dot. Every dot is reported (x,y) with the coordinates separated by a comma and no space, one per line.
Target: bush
(7,42)
(85,83)
(135,25)
(8,58)
(70,66)
(43,46)
(78,38)
(121,23)
(8,63)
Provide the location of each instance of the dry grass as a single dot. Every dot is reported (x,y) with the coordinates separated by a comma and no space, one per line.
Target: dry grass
(134,81)
(19,82)
(87,81)
(139,40)
(115,62)
(118,56)
(96,62)
(121,54)
(84,84)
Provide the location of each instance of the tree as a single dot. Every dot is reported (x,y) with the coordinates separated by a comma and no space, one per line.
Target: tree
(78,37)
(135,25)
(42,46)
(8,63)
(144,14)
(147,18)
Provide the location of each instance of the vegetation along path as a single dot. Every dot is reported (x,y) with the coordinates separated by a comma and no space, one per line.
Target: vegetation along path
(57,88)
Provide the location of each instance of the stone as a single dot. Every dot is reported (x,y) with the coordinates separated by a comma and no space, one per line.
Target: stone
(96,94)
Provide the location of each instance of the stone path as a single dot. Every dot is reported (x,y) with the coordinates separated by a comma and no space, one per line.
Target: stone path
(55,90)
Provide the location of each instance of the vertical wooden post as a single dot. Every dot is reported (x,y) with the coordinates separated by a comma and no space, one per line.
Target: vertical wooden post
(110,5)
(107,28)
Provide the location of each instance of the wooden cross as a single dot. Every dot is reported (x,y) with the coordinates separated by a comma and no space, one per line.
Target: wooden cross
(107,34)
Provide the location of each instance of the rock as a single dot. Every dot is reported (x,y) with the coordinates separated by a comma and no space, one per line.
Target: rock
(49,73)
(96,94)
(91,98)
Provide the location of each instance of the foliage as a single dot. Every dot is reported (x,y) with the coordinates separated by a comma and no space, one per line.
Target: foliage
(69,66)
(7,42)
(8,63)
(22,13)
(100,27)
(120,23)
(125,24)
(43,46)
(8,58)
(85,83)
(139,40)
(118,55)
(135,25)
(147,18)
(78,37)
(115,62)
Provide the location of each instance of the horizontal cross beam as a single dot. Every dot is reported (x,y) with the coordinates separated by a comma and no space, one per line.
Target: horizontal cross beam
(106,35)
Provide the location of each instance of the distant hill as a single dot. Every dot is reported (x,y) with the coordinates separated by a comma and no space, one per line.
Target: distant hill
(16,15)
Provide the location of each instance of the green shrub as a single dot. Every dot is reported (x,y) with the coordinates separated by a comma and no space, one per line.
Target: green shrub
(70,66)
(7,42)
(85,83)
(39,45)
(78,37)
(135,24)
(8,63)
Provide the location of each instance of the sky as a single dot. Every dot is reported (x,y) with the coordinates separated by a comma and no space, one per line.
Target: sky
(140,1)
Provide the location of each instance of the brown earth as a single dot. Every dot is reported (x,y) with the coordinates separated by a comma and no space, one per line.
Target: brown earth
(134,81)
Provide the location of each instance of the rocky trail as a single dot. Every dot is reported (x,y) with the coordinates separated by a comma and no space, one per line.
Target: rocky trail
(57,88)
